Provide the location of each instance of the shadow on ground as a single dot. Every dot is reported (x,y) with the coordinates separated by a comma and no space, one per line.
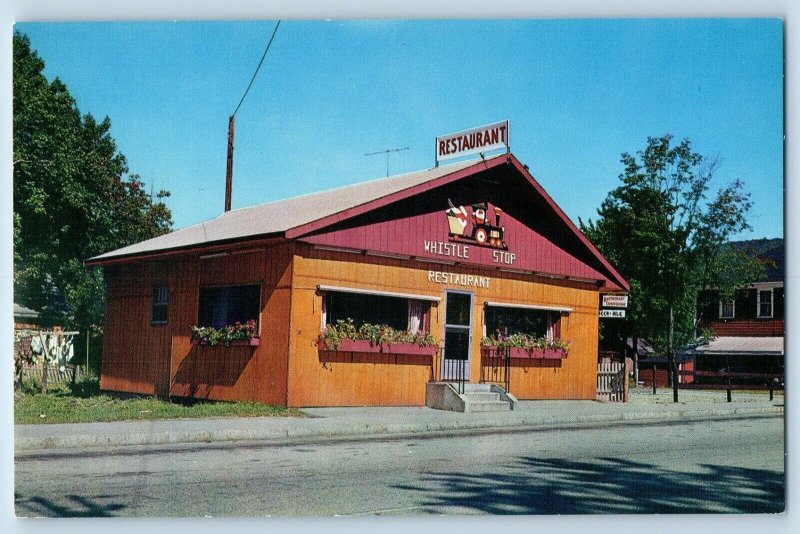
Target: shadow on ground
(602,486)
(69,506)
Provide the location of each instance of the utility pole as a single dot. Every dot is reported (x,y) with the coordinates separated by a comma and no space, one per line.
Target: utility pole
(229,170)
(231,122)
(387,155)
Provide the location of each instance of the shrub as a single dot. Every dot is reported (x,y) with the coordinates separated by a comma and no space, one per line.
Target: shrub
(86,386)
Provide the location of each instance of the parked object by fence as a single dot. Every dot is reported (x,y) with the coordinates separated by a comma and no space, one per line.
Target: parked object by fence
(612,382)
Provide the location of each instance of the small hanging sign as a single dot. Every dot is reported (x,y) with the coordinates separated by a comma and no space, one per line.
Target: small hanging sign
(615,301)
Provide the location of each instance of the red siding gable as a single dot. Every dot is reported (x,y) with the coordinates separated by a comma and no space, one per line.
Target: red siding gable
(535,238)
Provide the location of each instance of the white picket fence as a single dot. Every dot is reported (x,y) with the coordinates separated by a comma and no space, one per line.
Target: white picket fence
(611,382)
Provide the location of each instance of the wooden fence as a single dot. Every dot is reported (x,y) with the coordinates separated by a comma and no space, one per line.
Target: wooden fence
(726,380)
(611,382)
(54,375)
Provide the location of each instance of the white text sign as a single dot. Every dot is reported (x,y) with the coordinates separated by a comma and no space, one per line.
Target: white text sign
(615,301)
(473,141)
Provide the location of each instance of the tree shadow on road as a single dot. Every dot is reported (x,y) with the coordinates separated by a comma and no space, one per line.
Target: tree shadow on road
(603,486)
(71,506)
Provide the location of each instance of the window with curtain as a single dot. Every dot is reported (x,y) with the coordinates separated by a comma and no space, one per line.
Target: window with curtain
(397,312)
(223,306)
(538,323)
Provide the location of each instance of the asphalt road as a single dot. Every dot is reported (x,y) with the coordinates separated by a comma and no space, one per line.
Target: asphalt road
(714,466)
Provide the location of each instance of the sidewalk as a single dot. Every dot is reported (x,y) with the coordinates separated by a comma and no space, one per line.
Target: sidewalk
(359,423)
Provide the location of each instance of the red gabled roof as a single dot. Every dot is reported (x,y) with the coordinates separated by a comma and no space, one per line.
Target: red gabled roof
(299,216)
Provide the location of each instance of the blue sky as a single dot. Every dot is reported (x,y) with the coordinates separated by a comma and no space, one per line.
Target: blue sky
(577,94)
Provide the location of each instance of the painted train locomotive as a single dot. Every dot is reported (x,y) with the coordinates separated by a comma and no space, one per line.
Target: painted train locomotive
(483,232)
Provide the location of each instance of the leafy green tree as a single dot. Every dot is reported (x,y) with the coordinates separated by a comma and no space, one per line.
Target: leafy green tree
(669,241)
(73,198)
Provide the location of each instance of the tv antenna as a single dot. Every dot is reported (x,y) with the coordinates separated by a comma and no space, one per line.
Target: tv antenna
(387,155)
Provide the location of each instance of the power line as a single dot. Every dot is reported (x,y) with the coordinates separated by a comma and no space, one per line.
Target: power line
(257,68)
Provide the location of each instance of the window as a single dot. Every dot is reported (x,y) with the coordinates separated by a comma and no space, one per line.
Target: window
(222,306)
(398,312)
(727,309)
(765,303)
(160,299)
(533,322)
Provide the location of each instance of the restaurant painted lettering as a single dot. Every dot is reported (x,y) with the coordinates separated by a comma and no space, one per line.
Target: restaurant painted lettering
(469,280)
(446,249)
(472,140)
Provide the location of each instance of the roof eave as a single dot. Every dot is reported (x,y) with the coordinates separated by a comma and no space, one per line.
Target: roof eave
(194,249)
(304,229)
(618,279)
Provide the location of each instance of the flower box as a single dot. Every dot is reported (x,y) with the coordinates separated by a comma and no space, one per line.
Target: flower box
(554,354)
(520,352)
(363,345)
(252,342)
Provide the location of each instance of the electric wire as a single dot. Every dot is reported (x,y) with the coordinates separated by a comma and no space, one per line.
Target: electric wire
(257,68)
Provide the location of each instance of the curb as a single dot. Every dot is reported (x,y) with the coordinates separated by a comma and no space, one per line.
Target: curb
(371,430)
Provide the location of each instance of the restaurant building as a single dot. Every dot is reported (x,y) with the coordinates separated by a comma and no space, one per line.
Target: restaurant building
(457,252)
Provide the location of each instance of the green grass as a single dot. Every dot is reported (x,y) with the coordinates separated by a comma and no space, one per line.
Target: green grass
(66,406)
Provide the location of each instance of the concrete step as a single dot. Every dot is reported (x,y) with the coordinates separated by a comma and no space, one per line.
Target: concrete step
(477,388)
(490,406)
(480,397)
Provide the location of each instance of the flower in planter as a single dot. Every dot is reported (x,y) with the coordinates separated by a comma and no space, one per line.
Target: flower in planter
(225,335)
(377,335)
(524,341)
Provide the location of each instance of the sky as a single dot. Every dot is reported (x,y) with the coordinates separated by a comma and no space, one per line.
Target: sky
(577,94)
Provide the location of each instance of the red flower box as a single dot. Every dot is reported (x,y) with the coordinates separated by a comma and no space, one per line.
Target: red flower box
(252,342)
(554,354)
(519,353)
(363,345)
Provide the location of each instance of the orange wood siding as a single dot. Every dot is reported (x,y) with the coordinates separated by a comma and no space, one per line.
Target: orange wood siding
(135,352)
(148,359)
(345,379)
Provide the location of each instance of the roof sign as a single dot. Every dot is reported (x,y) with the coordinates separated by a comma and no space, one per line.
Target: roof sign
(473,141)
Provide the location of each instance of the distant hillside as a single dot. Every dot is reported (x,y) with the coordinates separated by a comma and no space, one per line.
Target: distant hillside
(770,251)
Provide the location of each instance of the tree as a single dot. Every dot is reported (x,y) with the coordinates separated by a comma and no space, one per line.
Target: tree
(73,198)
(669,241)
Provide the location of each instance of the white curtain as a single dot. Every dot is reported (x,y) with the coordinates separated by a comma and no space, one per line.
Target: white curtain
(416,313)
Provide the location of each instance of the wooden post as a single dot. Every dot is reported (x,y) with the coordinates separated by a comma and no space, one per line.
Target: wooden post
(654,379)
(771,383)
(728,369)
(626,385)
(45,357)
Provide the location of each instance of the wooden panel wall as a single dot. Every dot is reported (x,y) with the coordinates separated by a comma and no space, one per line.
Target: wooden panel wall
(351,380)
(140,362)
(135,352)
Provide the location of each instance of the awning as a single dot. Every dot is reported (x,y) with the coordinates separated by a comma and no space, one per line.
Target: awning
(546,307)
(376,292)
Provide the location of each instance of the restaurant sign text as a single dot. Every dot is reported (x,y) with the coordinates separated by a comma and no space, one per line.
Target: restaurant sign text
(615,301)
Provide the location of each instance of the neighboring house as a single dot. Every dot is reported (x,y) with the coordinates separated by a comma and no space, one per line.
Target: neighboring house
(25,318)
(458,251)
(749,328)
